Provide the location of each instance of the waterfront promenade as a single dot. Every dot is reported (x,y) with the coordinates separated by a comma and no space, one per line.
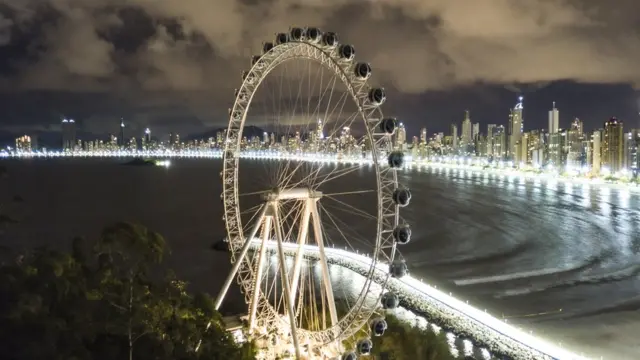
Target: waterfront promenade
(414,164)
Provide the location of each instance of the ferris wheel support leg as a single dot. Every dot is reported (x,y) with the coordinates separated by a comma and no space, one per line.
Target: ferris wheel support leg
(255,297)
(239,259)
(285,279)
(326,279)
(302,239)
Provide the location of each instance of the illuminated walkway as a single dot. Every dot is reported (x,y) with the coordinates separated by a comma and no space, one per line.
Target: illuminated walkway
(461,318)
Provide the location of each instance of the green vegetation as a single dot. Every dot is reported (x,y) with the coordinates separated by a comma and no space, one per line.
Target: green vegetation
(113,300)
(402,341)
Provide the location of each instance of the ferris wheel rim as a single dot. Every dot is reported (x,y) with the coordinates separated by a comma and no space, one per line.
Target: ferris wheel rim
(358,314)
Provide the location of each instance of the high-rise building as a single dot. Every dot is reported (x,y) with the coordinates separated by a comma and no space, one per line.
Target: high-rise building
(578,126)
(556,154)
(596,151)
(123,141)
(573,147)
(147,135)
(535,150)
(633,151)
(438,137)
(490,139)
(401,136)
(613,145)
(454,137)
(320,129)
(522,151)
(423,135)
(554,119)
(68,134)
(516,127)
(499,144)
(475,131)
(23,144)
(467,128)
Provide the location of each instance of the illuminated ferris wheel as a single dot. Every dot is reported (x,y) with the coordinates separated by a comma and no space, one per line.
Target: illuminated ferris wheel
(310,167)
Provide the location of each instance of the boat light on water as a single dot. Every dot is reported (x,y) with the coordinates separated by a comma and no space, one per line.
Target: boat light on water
(165,163)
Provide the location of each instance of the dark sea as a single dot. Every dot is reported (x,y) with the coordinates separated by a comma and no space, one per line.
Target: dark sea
(562,260)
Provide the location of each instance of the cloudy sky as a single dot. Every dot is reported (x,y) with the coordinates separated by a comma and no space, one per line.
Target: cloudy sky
(173,64)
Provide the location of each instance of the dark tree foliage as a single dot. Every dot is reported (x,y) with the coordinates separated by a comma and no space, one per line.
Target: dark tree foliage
(114,301)
(402,341)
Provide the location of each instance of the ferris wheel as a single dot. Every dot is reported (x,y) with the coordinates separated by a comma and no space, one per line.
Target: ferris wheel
(309,167)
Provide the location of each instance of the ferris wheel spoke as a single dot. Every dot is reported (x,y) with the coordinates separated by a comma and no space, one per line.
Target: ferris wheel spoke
(270,120)
(355,192)
(308,179)
(340,124)
(252,210)
(253,193)
(339,105)
(346,123)
(336,174)
(287,180)
(294,111)
(330,86)
(343,206)
(334,220)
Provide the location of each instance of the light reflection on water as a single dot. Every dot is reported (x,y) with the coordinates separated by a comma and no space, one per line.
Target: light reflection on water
(587,233)
(465,225)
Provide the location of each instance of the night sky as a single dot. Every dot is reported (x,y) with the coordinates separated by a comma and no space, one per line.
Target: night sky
(172,65)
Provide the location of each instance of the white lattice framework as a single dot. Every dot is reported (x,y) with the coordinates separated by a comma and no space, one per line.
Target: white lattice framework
(387,213)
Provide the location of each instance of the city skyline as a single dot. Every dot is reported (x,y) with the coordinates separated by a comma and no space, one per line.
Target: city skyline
(413,128)
(608,151)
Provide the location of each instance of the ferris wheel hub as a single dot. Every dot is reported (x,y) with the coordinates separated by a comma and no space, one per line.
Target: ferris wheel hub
(292,194)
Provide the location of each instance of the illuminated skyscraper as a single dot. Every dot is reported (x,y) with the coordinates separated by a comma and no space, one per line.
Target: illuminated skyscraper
(123,142)
(499,142)
(320,130)
(554,119)
(633,151)
(596,152)
(573,146)
(535,150)
(454,136)
(68,134)
(423,135)
(613,145)
(467,128)
(23,144)
(475,131)
(147,135)
(401,136)
(490,138)
(556,154)
(516,126)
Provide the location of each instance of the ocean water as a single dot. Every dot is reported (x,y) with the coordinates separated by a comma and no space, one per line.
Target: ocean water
(559,259)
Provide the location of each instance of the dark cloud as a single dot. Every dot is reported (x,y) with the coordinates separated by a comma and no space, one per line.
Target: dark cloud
(135,48)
